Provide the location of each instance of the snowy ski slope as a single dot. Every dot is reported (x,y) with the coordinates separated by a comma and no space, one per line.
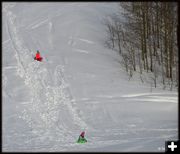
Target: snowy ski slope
(80,85)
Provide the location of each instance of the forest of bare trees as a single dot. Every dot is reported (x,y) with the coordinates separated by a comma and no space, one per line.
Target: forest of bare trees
(145,35)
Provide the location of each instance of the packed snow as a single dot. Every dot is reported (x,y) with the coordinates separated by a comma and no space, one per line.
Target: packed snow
(79,86)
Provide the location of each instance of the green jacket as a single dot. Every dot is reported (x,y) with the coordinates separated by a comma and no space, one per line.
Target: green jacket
(81,140)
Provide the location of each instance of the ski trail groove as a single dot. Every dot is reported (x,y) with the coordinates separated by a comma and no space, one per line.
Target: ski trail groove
(44,111)
(60,80)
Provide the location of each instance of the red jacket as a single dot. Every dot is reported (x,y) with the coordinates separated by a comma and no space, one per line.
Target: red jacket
(38,55)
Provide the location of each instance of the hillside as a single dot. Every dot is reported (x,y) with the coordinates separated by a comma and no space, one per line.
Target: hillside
(78,86)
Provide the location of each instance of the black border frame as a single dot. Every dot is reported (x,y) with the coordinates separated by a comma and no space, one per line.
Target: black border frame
(70,1)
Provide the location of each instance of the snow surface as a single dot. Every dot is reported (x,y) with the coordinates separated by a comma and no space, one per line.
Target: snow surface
(80,85)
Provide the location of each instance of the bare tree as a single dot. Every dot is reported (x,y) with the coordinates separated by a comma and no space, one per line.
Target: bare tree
(147,38)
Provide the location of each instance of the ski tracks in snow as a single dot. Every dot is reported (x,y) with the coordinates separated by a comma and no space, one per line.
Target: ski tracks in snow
(61,81)
(51,105)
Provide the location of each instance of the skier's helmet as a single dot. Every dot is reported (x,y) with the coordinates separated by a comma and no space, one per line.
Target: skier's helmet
(82,134)
(37,51)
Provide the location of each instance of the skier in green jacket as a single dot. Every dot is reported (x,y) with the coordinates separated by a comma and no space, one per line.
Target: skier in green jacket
(81,138)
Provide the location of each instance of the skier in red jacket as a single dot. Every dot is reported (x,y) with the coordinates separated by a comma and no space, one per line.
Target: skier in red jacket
(38,57)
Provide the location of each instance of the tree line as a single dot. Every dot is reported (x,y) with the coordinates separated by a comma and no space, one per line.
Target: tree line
(145,35)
